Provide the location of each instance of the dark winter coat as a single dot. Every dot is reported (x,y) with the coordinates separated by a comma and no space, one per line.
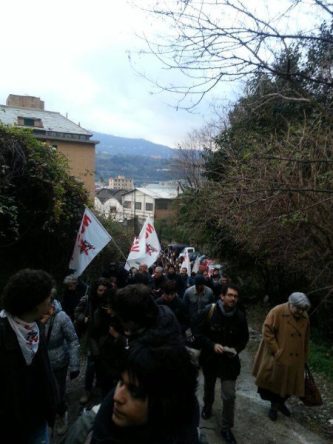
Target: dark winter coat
(71,298)
(178,280)
(166,325)
(98,322)
(157,286)
(227,331)
(178,308)
(27,393)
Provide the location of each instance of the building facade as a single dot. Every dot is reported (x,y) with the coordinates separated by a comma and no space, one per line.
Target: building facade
(143,202)
(54,129)
(121,183)
(108,203)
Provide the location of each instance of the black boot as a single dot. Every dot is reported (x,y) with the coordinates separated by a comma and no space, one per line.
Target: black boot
(273,412)
(284,410)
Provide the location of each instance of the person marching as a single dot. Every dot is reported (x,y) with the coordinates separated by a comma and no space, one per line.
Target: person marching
(222,331)
(27,386)
(64,353)
(282,354)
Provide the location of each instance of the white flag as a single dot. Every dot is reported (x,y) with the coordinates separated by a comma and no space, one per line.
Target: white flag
(196,264)
(137,252)
(91,239)
(186,263)
(145,248)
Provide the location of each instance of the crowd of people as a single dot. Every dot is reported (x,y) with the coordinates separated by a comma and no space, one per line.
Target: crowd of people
(137,332)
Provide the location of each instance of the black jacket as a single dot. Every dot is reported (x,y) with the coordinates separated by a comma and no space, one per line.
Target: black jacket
(165,326)
(27,393)
(178,308)
(220,329)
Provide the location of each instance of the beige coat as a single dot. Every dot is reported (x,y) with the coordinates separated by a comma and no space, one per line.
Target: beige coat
(282,353)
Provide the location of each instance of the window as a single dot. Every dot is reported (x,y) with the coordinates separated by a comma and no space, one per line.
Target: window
(127,204)
(149,207)
(138,205)
(29,121)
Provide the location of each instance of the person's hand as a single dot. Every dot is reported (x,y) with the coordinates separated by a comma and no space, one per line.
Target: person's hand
(74,374)
(218,348)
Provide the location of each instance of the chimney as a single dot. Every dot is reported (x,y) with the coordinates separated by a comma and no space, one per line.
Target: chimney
(25,102)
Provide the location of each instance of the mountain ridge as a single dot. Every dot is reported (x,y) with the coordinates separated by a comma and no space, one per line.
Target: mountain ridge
(126,146)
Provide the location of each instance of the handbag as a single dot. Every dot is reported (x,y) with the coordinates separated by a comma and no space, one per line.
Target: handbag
(312,396)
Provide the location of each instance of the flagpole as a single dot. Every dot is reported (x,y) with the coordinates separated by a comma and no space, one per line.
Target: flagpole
(121,251)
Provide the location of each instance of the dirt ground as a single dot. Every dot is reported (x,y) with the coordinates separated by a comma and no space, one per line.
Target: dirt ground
(307,425)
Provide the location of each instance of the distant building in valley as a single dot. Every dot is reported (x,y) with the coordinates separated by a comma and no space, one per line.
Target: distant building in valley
(155,203)
(56,130)
(121,183)
(108,203)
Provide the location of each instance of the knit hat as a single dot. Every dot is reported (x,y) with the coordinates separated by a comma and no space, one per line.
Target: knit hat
(299,299)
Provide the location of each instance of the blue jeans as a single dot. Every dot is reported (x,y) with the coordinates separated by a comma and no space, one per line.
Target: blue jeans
(40,436)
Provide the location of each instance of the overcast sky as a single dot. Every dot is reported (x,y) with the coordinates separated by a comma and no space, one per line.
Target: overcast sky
(73,54)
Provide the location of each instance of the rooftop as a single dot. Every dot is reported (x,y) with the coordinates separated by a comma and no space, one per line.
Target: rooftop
(51,121)
(158,193)
(105,194)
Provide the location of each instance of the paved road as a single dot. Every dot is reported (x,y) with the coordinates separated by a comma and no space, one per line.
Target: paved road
(252,426)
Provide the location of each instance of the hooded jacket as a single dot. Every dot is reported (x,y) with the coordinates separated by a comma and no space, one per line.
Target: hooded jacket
(63,346)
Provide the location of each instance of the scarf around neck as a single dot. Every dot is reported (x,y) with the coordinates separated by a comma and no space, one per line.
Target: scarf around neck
(227,314)
(27,334)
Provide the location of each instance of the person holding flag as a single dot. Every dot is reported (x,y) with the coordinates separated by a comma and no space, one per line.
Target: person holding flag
(92,237)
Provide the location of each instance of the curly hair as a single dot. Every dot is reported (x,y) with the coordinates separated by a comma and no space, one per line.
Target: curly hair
(25,290)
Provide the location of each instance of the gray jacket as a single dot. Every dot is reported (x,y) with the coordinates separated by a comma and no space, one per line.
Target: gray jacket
(195,302)
(63,346)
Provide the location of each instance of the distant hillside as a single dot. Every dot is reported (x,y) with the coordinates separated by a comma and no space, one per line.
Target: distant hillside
(142,169)
(131,147)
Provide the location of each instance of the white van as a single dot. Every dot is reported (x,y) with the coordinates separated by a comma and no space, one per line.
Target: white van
(188,250)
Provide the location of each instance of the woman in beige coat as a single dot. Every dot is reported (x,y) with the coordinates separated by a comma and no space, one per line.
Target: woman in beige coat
(280,359)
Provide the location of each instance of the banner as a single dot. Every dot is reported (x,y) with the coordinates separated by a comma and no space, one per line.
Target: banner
(145,248)
(91,239)
(196,264)
(186,263)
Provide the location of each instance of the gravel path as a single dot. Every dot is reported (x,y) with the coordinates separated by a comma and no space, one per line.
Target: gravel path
(307,425)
